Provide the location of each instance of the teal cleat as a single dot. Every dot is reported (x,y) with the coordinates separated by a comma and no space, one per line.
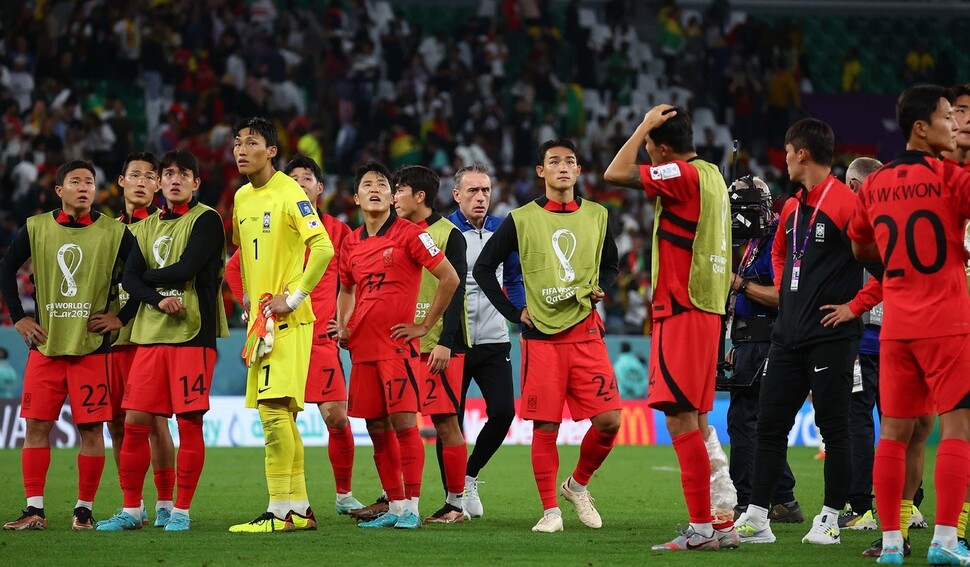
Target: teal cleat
(408,521)
(345,505)
(939,555)
(386,521)
(177,522)
(122,521)
(891,556)
(162,517)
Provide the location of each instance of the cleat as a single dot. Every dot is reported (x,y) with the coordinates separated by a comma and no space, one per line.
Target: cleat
(304,521)
(786,514)
(750,533)
(822,533)
(408,521)
(264,523)
(963,542)
(849,520)
(875,550)
(470,500)
(917,521)
(387,520)
(178,522)
(30,519)
(82,519)
(549,523)
(448,514)
(689,540)
(375,510)
(727,538)
(346,505)
(120,522)
(939,555)
(162,517)
(583,503)
(891,556)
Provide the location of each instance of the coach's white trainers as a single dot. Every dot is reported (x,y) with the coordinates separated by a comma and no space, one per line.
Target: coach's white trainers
(823,532)
(470,501)
(750,532)
(550,523)
(583,503)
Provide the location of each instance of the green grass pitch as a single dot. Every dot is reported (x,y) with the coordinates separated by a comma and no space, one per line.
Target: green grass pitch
(637,492)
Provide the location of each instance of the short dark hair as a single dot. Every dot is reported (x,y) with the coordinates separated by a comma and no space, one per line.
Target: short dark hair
(418,178)
(815,136)
(261,126)
(918,103)
(182,159)
(677,132)
(958,91)
(376,167)
(70,166)
(146,157)
(555,143)
(300,160)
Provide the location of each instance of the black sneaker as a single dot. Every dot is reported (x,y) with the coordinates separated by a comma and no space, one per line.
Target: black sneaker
(790,513)
(82,519)
(367,513)
(875,550)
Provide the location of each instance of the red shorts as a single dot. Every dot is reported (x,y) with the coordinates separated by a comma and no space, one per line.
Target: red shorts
(576,373)
(441,392)
(383,387)
(167,379)
(120,360)
(325,381)
(683,361)
(924,376)
(48,380)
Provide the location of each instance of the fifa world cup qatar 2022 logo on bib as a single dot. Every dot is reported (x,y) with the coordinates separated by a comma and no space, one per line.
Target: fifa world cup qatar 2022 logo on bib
(69,257)
(161,249)
(564,245)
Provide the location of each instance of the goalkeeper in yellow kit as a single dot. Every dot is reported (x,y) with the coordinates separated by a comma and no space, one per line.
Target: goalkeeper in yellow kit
(273,224)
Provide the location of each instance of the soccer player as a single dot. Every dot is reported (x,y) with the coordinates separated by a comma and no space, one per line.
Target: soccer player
(176,273)
(326,385)
(77,254)
(380,277)
(755,312)
(415,190)
(139,183)
(691,280)
(912,214)
(568,258)
(273,225)
(487,359)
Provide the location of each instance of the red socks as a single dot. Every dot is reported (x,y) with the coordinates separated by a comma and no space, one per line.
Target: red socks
(952,474)
(387,459)
(888,478)
(89,471)
(454,459)
(545,466)
(340,448)
(165,484)
(412,461)
(596,446)
(695,475)
(34,463)
(190,460)
(136,457)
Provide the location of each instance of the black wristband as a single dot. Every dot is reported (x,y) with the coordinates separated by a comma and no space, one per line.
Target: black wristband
(743,286)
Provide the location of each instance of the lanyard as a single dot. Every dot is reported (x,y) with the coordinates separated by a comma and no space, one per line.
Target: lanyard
(750,254)
(799,252)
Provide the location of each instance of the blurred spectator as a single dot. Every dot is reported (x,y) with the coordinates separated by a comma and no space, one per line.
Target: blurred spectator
(631,374)
(851,72)
(919,66)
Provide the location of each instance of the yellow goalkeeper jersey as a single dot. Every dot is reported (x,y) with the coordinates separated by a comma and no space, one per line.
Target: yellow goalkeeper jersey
(272,226)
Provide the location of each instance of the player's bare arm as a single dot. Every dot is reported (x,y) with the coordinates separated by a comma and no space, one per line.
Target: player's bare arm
(31,331)
(624,171)
(447,284)
(345,307)
(866,252)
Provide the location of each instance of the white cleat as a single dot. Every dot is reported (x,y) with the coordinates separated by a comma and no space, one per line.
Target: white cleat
(470,501)
(550,523)
(583,503)
(822,533)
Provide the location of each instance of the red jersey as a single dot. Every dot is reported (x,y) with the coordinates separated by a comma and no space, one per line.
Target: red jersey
(386,268)
(677,185)
(323,298)
(915,209)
